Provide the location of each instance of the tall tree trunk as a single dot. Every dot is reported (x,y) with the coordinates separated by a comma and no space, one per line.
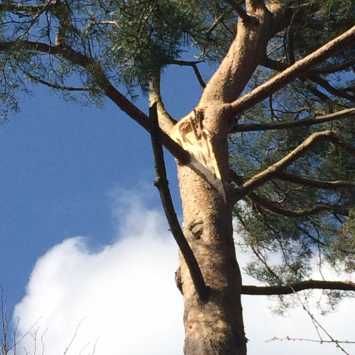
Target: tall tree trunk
(215,327)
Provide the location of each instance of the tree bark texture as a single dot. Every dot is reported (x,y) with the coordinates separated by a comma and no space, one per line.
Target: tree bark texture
(216,326)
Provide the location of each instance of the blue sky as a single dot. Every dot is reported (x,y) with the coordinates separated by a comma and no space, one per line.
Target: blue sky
(59,160)
(64,171)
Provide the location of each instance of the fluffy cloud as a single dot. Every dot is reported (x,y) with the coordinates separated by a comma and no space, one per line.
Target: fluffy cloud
(122,299)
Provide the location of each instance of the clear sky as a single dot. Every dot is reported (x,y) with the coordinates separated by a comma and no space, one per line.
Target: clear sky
(68,170)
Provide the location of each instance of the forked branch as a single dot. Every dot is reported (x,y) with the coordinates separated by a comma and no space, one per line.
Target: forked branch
(161,183)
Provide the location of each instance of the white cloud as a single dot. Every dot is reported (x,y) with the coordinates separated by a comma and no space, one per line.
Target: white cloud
(123,298)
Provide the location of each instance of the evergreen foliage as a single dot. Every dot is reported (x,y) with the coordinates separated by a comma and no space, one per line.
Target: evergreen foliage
(131,39)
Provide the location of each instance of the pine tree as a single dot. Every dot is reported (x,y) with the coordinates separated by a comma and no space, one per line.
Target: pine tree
(280,158)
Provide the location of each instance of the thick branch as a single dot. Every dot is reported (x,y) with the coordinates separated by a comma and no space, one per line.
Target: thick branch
(299,151)
(285,77)
(296,287)
(161,183)
(120,100)
(301,123)
(244,54)
(91,66)
(166,122)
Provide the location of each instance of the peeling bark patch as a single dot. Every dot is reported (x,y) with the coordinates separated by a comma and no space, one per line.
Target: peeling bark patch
(193,136)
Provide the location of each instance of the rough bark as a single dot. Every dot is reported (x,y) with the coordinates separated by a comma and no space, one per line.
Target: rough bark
(215,327)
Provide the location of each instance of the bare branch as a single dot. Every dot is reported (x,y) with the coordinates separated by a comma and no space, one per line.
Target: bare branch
(329,185)
(270,172)
(54,85)
(312,76)
(161,183)
(299,286)
(285,77)
(347,113)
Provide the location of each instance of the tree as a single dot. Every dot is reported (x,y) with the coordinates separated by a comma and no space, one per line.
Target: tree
(281,161)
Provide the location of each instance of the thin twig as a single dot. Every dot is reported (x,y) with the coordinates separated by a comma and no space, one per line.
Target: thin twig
(297,287)
(193,65)
(216,22)
(253,127)
(54,85)
(311,340)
